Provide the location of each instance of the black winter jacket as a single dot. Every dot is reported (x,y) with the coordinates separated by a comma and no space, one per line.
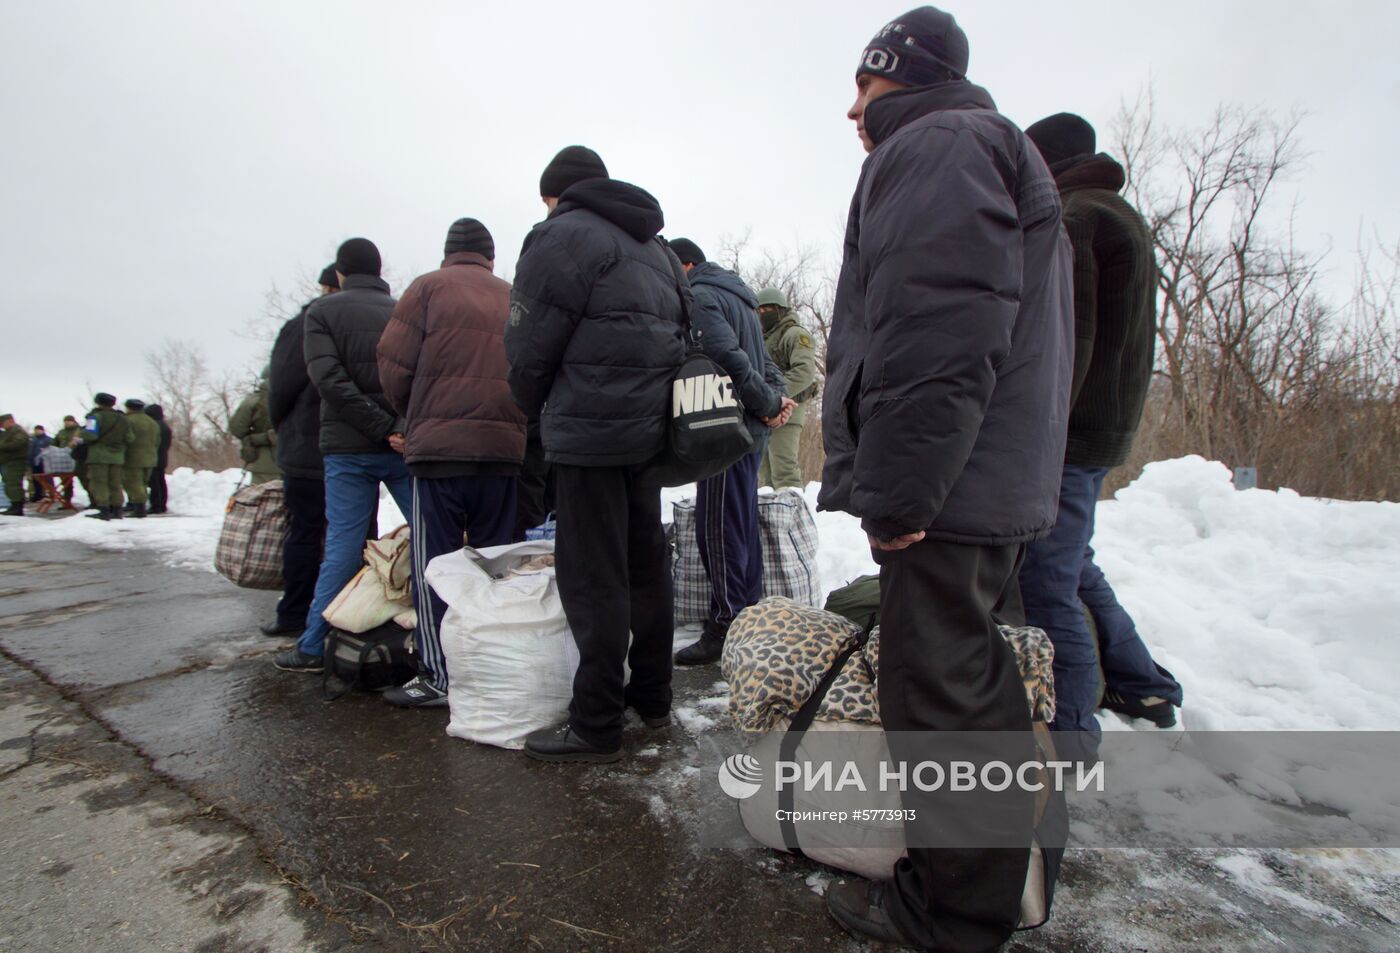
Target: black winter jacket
(724,316)
(949,358)
(1115,319)
(341,337)
(595,330)
(167,436)
(294,405)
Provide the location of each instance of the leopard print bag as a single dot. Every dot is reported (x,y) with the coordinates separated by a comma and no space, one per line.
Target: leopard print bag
(778,651)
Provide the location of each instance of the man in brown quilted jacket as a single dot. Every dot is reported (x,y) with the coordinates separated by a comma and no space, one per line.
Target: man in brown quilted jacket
(442,363)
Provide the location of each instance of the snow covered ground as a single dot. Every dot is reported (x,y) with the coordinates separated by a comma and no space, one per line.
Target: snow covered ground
(1276,612)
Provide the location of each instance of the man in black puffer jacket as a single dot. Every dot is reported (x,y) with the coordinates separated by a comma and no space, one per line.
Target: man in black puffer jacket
(1115,329)
(361,438)
(295,409)
(726,505)
(944,421)
(594,340)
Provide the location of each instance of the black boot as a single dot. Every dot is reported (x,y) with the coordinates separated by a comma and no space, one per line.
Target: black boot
(115,512)
(103,513)
(561,743)
(16,509)
(139,512)
(859,906)
(707,649)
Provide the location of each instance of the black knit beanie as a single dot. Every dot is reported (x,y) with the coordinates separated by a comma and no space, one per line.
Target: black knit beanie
(358,256)
(918,49)
(1063,136)
(328,277)
(467,234)
(572,164)
(687,251)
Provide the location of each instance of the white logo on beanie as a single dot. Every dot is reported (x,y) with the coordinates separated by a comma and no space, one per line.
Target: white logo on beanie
(881,60)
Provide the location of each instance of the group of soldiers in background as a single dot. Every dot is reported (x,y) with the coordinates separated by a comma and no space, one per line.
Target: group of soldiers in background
(120,458)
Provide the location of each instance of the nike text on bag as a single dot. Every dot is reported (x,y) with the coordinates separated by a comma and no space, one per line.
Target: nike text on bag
(707,433)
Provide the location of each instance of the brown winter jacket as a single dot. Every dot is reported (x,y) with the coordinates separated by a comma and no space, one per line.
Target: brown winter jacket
(442,363)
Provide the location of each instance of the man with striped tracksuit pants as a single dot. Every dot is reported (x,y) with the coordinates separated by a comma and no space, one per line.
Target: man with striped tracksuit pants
(442,363)
(726,506)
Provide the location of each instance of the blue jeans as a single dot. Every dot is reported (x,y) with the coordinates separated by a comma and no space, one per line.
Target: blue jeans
(352,499)
(1059,581)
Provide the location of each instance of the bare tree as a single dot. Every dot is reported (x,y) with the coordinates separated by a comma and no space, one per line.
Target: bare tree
(177,377)
(1256,366)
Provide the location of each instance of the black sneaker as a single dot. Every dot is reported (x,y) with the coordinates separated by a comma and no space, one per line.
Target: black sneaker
(294,660)
(417,693)
(562,744)
(859,906)
(703,651)
(1159,711)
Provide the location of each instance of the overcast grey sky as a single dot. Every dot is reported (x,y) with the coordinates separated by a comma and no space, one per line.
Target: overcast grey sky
(166,163)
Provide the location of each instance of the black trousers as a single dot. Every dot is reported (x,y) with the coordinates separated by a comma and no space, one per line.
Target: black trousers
(944,667)
(301,550)
(160,496)
(615,583)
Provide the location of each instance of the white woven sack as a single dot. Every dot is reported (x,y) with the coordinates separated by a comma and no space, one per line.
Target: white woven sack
(510,655)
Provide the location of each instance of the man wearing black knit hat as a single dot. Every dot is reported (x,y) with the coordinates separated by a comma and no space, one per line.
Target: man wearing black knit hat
(294,406)
(1115,329)
(944,423)
(442,361)
(594,340)
(360,437)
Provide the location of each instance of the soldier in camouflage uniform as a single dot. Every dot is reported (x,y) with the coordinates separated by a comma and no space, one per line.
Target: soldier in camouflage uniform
(251,426)
(14,458)
(107,437)
(792,350)
(140,456)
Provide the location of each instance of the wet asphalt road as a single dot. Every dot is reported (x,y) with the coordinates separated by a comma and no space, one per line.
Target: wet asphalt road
(400,838)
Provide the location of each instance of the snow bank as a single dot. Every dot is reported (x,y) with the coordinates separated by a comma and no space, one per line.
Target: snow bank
(1275,611)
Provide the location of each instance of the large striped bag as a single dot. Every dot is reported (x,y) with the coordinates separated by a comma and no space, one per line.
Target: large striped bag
(249,553)
(789,536)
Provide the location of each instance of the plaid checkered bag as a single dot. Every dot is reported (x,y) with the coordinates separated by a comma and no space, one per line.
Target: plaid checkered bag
(689,580)
(249,553)
(789,538)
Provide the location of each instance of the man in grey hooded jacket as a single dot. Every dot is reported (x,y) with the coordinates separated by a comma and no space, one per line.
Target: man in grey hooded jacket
(726,505)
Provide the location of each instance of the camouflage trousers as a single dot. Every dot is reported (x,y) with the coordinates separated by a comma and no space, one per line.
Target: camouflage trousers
(780,466)
(105,484)
(136,481)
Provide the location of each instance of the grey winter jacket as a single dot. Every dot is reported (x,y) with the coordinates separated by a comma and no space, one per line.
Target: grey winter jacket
(949,361)
(342,334)
(594,336)
(724,316)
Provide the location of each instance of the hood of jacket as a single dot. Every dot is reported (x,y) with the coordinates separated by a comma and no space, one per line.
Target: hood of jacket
(893,111)
(630,208)
(1089,172)
(155,411)
(708,273)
